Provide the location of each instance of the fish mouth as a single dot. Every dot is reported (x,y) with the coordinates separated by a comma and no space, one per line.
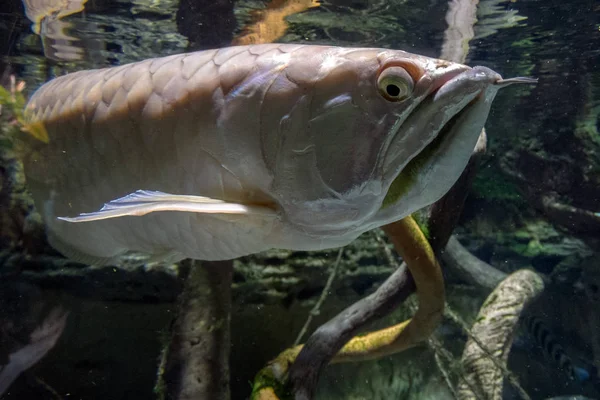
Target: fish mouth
(442,135)
(409,173)
(445,100)
(438,134)
(445,128)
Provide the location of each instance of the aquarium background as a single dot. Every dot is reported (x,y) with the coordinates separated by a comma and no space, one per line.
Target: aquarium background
(534,203)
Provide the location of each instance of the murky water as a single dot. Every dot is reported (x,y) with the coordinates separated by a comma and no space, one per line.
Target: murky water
(80,332)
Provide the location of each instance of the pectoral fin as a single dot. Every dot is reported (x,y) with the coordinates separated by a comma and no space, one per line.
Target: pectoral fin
(144,202)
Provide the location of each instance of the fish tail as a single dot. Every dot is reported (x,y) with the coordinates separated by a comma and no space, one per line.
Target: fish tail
(552,349)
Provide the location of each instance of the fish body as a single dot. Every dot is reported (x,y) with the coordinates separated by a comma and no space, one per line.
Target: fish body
(552,349)
(227,152)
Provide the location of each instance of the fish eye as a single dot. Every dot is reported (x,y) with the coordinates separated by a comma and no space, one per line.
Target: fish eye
(395,84)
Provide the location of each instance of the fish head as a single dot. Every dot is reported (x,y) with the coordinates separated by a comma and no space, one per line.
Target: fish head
(430,146)
(387,132)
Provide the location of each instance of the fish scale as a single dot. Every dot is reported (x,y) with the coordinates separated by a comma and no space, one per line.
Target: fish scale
(233,151)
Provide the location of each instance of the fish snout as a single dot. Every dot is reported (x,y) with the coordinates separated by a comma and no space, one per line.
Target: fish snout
(485,74)
(467,84)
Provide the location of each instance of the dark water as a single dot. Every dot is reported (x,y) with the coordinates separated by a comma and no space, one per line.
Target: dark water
(534,204)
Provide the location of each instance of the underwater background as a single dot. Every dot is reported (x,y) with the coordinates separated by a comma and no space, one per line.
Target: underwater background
(534,204)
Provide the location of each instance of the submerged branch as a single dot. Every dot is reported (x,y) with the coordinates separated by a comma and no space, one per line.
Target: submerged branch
(461,18)
(486,352)
(329,338)
(470,268)
(572,218)
(197,360)
(575,219)
(271,23)
(327,343)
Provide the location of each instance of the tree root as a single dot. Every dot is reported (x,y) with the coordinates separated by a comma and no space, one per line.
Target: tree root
(470,268)
(575,219)
(486,352)
(196,363)
(271,23)
(302,364)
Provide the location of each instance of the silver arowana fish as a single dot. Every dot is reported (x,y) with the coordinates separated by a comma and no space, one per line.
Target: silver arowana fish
(223,153)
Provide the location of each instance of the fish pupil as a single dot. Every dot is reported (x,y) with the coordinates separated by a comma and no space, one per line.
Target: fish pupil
(392,90)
